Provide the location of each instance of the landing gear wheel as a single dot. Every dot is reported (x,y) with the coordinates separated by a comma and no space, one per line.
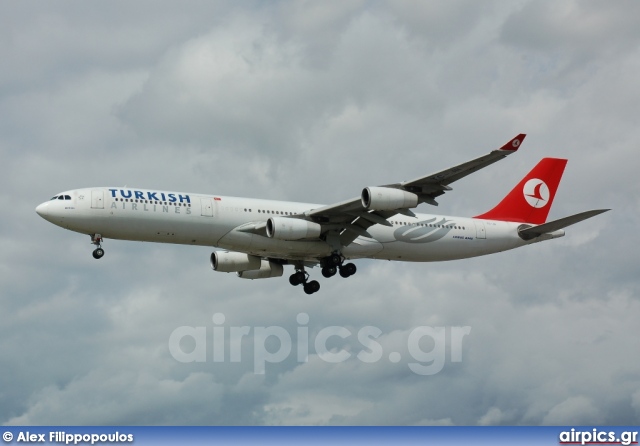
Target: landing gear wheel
(96,239)
(348,270)
(302,277)
(311,287)
(297,278)
(329,271)
(351,268)
(335,259)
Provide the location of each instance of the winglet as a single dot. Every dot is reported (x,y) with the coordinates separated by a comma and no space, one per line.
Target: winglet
(513,145)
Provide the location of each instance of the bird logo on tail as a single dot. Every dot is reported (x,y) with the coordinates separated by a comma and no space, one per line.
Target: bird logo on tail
(536,192)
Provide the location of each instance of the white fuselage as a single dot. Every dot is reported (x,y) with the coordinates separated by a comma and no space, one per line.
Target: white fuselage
(217,221)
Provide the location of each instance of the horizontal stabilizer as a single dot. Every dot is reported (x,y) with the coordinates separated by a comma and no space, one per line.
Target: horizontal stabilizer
(535,231)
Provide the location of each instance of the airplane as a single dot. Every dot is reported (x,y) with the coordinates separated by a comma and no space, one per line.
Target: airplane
(258,237)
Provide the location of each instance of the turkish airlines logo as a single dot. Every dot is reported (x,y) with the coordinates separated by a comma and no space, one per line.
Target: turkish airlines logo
(536,193)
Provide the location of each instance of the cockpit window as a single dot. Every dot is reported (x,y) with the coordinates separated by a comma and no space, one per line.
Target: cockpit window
(67,197)
(55,198)
(61,197)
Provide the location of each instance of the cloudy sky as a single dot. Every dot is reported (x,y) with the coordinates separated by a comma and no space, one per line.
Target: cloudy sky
(312,101)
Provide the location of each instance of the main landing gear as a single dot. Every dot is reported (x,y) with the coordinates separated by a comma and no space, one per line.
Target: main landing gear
(302,277)
(334,263)
(330,266)
(96,239)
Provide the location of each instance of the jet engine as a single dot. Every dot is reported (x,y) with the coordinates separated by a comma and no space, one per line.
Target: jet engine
(283,228)
(387,199)
(228,262)
(267,269)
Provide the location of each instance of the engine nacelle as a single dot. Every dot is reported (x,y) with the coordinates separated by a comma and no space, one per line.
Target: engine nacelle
(228,262)
(267,269)
(387,199)
(283,228)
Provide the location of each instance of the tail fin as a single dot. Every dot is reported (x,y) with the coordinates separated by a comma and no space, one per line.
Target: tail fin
(530,201)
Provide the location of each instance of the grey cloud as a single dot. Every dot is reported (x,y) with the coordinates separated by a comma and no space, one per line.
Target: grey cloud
(582,28)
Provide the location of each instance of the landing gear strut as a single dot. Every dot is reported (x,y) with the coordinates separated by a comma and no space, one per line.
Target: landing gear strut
(302,277)
(96,239)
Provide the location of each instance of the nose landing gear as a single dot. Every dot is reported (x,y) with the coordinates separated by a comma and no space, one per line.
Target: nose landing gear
(96,239)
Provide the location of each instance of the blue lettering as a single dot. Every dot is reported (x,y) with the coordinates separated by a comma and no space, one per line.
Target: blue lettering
(162,195)
(123,195)
(184,198)
(152,196)
(172,198)
(139,195)
(113,192)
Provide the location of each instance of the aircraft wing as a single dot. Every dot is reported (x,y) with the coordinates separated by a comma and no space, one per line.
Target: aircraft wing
(436,184)
(351,219)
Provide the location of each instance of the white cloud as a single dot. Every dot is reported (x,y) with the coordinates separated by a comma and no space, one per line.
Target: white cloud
(576,410)
(493,417)
(103,398)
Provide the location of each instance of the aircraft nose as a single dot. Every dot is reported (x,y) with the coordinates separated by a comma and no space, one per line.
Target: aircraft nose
(41,210)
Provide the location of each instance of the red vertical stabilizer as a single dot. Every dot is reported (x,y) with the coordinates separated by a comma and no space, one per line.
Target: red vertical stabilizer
(530,201)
